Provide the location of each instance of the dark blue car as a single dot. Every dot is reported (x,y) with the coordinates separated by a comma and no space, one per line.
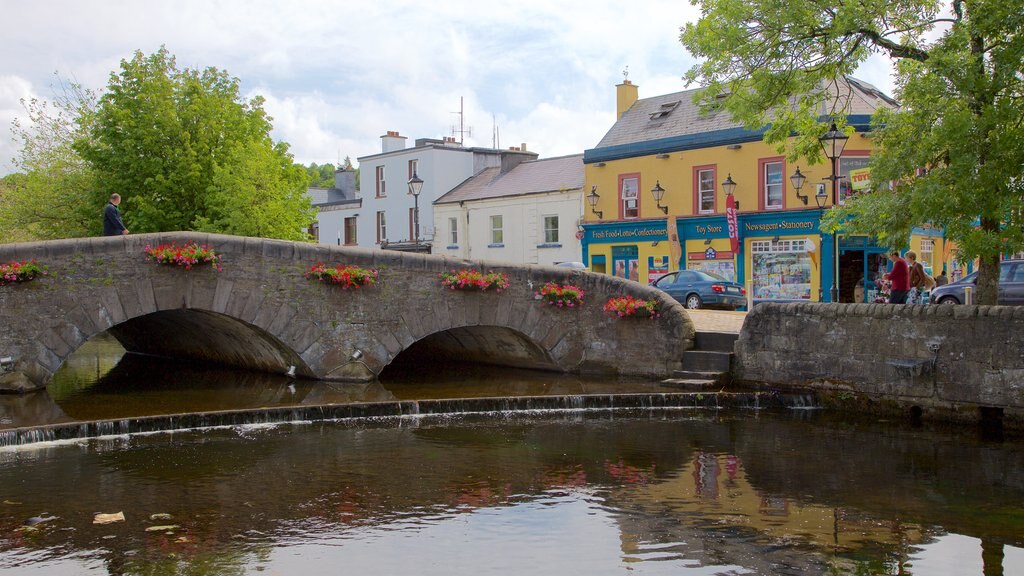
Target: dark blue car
(695,289)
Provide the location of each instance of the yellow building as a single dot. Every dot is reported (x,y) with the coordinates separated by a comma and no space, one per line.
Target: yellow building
(663,146)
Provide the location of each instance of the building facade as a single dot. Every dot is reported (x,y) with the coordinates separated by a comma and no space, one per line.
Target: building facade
(528,213)
(665,146)
(389,214)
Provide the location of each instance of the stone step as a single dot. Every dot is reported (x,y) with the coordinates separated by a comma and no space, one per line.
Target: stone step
(691,383)
(707,361)
(715,341)
(697,374)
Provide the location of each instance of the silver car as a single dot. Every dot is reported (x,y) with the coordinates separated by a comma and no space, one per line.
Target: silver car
(1011,286)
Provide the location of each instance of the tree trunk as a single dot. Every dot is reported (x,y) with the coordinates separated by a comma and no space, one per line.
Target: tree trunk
(988,269)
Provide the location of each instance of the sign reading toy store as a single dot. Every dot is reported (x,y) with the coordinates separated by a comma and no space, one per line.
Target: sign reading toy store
(730,219)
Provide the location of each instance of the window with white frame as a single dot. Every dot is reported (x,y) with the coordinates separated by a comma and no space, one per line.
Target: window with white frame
(497,230)
(413,167)
(706,190)
(773,185)
(551,229)
(927,251)
(382,227)
(453,231)
(630,197)
(381,189)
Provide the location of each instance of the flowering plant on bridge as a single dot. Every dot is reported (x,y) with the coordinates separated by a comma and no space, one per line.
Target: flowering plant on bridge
(15,272)
(469,279)
(561,295)
(345,276)
(626,306)
(188,255)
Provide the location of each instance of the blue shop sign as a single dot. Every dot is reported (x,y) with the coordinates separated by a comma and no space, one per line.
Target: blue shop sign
(625,232)
(703,227)
(782,224)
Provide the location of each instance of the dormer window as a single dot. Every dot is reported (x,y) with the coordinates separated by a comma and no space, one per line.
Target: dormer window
(664,110)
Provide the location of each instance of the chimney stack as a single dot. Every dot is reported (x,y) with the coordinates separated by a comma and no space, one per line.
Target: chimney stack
(392,141)
(625,95)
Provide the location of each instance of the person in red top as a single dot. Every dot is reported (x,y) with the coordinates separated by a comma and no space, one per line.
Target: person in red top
(899,276)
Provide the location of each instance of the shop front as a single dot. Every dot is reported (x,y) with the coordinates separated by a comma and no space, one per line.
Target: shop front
(637,250)
(785,256)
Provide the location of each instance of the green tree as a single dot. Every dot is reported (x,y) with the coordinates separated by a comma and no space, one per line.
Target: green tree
(51,194)
(185,150)
(260,192)
(320,175)
(951,154)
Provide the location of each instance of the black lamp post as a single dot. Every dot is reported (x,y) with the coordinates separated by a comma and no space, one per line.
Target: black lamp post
(832,143)
(415,187)
(658,192)
(592,199)
(729,186)
(798,180)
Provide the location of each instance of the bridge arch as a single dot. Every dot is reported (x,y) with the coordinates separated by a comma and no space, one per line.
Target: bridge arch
(260,312)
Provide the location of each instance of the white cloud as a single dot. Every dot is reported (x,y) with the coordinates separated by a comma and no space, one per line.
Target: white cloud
(12,91)
(336,77)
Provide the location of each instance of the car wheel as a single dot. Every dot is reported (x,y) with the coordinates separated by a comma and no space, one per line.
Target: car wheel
(948,300)
(693,302)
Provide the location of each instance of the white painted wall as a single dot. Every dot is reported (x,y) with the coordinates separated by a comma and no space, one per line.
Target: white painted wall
(523,228)
(441,168)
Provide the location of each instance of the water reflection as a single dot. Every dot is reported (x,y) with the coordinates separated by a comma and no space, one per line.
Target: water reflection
(694,492)
(101,382)
(585,493)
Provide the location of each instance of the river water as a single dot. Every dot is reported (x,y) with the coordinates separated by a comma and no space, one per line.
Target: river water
(691,491)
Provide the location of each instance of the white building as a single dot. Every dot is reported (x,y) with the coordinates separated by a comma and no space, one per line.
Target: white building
(337,207)
(386,216)
(525,214)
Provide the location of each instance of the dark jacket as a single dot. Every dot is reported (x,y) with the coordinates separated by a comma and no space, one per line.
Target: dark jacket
(112,225)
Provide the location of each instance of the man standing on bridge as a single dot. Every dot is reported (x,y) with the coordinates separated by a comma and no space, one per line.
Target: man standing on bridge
(112,224)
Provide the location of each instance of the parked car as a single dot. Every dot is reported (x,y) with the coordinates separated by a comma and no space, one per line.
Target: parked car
(695,289)
(1011,286)
(577,265)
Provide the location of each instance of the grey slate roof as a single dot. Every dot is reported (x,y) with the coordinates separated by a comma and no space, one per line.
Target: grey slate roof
(530,177)
(320,196)
(643,121)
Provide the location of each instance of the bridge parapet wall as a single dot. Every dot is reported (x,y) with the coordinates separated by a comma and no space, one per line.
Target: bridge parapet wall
(261,312)
(948,358)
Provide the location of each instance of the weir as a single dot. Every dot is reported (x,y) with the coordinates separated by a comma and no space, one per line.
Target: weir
(401,408)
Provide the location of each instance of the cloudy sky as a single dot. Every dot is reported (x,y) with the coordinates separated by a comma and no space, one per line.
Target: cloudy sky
(336,75)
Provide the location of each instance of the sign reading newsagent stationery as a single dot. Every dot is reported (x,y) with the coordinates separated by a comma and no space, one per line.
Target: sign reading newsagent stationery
(626,232)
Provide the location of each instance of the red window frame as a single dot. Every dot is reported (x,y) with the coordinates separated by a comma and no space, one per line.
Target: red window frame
(762,196)
(622,201)
(696,188)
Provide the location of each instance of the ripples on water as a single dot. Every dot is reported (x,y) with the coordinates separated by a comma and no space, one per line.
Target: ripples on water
(653,492)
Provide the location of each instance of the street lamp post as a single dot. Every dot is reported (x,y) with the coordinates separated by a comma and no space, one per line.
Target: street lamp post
(415,187)
(832,143)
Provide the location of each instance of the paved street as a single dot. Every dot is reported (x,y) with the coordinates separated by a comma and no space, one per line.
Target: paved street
(717,320)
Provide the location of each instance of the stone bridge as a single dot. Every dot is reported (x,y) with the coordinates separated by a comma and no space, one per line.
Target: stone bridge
(260,312)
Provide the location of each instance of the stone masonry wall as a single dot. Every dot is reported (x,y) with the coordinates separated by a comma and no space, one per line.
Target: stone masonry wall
(260,311)
(950,358)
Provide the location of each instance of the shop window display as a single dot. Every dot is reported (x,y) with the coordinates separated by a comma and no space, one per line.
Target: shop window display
(781,270)
(723,268)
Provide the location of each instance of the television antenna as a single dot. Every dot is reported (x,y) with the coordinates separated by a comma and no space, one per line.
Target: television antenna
(462,131)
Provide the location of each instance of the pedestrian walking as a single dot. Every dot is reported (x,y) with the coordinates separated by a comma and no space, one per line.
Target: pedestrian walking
(899,278)
(112,224)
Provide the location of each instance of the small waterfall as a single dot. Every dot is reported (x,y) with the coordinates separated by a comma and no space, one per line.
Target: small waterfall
(799,401)
(405,409)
